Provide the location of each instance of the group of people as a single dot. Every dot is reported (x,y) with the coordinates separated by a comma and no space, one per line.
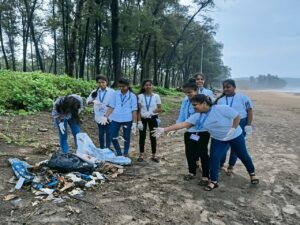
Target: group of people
(113,110)
(226,121)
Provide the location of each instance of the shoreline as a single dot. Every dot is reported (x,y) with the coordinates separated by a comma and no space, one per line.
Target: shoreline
(289,91)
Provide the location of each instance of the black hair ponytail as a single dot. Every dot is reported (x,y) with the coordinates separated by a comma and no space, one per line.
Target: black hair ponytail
(95,93)
(201,98)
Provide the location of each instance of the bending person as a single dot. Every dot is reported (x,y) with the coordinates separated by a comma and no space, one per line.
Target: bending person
(66,111)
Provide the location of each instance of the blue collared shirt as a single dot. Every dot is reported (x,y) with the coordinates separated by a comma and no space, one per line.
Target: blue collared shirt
(239,102)
(218,122)
(186,110)
(123,106)
(207,92)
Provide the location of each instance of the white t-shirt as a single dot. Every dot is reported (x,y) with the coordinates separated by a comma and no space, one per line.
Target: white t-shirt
(239,102)
(101,102)
(218,121)
(149,103)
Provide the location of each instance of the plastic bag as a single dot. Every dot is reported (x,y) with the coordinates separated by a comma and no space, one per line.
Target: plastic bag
(69,162)
(86,147)
(20,169)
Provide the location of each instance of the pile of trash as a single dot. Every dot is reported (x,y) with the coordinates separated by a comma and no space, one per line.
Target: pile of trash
(67,175)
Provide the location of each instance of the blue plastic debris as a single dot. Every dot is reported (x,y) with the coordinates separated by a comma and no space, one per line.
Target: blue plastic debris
(20,169)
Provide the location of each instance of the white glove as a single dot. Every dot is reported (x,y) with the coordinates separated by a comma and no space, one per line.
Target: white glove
(229,134)
(140,125)
(133,128)
(248,129)
(104,120)
(62,128)
(158,131)
(147,115)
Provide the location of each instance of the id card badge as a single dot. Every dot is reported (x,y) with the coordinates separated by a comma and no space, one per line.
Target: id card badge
(195,137)
(102,107)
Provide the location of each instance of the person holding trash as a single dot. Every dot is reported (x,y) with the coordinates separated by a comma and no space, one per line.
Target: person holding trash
(149,107)
(243,105)
(122,112)
(66,111)
(100,98)
(222,122)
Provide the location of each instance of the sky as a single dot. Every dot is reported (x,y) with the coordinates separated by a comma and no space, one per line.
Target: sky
(259,36)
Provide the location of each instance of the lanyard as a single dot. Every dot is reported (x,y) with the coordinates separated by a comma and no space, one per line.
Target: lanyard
(123,98)
(231,101)
(148,104)
(201,123)
(102,99)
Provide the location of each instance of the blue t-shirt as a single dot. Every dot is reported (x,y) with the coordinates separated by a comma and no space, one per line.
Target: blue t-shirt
(186,110)
(239,102)
(123,106)
(207,92)
(218,122)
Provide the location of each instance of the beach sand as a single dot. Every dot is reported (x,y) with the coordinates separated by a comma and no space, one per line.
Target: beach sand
(151,193)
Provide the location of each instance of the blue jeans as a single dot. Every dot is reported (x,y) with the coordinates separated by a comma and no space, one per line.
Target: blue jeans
(218,149)
(104,129)
(63,138)
(114,132)
(233,157)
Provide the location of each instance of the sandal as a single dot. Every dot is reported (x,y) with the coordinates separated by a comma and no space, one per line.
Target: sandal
(190,176)
(154,159)
(254,180)
(210,188)
(203,182)
(140,159)
(229,170)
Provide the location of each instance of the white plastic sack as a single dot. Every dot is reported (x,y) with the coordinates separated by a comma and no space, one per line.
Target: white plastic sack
(88,151)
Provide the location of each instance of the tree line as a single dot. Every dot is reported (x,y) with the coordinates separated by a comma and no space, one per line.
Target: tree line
(262,81)
(139,39)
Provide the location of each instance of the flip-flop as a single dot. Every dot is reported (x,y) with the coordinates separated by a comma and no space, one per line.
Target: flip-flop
(189,177)
(203,182)
(154,159)
(255,180)
(209,188)
(229,170)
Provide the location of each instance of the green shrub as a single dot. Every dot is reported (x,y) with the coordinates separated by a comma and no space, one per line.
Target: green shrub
(36,91)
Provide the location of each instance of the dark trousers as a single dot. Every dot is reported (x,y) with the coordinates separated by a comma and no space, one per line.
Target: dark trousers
(104,130)
(114,133)
(152,123)
(195,149)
